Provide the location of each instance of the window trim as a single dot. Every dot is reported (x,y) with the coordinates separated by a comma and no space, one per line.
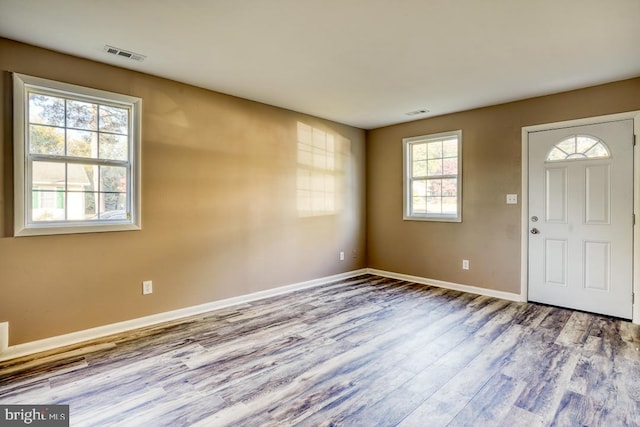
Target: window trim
(22,227)
(408,178)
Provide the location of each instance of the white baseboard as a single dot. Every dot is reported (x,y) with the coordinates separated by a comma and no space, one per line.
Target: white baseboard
(19,350)
(447,285)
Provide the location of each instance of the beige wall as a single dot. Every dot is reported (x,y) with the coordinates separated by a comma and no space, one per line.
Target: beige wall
(489,235)
(219,202)
(220,214)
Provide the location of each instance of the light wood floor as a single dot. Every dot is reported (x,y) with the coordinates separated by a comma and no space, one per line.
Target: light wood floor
(367,351)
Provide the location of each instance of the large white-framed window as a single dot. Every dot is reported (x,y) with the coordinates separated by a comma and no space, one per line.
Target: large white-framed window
(433,177)
(76,158)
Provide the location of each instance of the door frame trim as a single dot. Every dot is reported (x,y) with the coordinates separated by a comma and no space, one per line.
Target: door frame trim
(524,224)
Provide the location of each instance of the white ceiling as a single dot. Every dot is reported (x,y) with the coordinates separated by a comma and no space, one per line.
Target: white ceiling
(360,62)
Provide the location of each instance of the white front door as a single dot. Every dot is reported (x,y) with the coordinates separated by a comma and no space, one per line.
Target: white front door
(581,217)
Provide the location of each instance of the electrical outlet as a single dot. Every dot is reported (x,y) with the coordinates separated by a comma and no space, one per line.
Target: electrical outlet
(465,264)
(512,199)
(147,287)
(341,256)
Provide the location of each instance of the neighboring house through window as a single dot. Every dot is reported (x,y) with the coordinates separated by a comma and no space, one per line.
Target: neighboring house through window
(77,158)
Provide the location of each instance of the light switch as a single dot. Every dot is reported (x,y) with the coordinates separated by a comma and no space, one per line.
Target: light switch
(512,199)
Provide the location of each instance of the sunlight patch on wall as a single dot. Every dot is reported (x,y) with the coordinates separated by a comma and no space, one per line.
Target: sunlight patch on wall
(322,160)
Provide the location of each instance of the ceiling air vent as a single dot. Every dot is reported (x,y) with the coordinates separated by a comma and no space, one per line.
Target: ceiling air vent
(416,112)
(124,53)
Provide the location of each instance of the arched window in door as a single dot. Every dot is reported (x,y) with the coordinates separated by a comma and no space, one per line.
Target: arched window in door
(579,147)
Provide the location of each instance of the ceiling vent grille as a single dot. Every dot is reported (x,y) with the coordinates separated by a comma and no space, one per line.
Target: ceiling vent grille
(416,112)
(124,53)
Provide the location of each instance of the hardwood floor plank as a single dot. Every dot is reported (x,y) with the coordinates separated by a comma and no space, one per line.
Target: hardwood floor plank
(576,330)
(368,385)
(517,417)
(388,411)
(575,409)
(491,404)
(546,385)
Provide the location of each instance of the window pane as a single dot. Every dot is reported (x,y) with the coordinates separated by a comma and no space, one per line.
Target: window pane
(419,169)
(114,178)
(82,115)
(419,205)
(46,140)
(48,175)
(568,145)
(450,166)
(81,206)
(449,205)
(450,147)
(82,143)
(113,119)
(434,205)
(584,143)
(449,187)
(434,187)
(434,167)
(434,150)
(82,177)
(46,110)
(419,151)
(419,188)
(116,147)
(556,154)
(47,205)
(598,150)
(113,206)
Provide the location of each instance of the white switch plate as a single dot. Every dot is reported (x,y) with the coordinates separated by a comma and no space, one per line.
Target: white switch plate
(341,256)
(147,287)
(465,264)
(512,199)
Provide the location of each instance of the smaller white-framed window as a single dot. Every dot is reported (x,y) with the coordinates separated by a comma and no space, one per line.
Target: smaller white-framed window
(76,158)
(433,177)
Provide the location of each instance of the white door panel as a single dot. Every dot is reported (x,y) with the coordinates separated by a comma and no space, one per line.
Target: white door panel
(581,217)
(597,192)
(556,195)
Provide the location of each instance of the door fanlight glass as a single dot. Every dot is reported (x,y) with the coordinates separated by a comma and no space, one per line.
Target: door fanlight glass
(579,147)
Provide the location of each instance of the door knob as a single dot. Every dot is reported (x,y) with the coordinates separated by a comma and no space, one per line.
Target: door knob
(534,231)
